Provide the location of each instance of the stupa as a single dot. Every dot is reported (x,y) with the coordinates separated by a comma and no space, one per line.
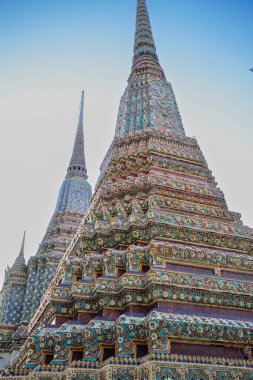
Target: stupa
(24,285)
(158,281)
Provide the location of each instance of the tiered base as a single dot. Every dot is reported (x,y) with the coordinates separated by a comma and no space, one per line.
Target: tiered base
(151,367)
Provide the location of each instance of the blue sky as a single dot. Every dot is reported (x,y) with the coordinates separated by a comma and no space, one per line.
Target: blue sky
(51,49)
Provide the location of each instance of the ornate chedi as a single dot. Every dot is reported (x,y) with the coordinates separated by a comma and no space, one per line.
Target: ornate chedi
(72,203)
(25,285)
(12,300)
(158,281)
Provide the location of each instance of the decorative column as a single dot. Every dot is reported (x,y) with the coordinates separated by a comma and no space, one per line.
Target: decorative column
(39,286)
(5,295)
(51,266)
(31,282)
(13,293)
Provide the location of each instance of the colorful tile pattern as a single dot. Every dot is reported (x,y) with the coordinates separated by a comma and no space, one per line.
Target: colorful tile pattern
(158,282)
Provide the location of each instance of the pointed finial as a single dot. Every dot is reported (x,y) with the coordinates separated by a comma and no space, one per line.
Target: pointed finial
(144,45)
(21,253)
(77,165)
(81,109)
(19,263)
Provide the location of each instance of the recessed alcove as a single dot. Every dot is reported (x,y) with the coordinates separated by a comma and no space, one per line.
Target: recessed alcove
(121,271)
(108,352)
(237,275)
(189,269)
(84,317)
(48,357)
(99,274)
(110,312)
(141,349)
(204,310)
(60,319)
(217,351)
(145,268)
(76,355)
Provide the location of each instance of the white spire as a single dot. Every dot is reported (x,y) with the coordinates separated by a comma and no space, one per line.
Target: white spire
(20,260)
(77,165)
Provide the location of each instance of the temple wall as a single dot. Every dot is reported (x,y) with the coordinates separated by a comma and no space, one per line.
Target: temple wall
(38,291)
(5,358)
(5,293)
(32,270)
(15,304)
(49,273)
(14,354)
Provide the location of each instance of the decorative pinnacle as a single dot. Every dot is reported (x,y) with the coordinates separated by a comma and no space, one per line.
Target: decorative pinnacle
(77,165)
(20,260)
(21,253)
(144,44)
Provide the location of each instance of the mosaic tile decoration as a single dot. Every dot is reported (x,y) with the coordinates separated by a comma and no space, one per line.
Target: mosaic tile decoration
(158,281)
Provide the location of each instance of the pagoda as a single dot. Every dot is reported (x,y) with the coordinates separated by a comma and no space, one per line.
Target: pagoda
(11,303)
(24,285)
(158,281)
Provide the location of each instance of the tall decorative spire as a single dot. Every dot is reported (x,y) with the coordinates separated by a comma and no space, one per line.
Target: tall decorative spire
(77,165)
(145,55)
(148,102)
(20,260)
(21,253)
(75,192)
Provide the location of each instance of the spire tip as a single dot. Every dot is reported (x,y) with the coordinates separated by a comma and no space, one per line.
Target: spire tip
(21,253)
(145,55)
(77,164)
